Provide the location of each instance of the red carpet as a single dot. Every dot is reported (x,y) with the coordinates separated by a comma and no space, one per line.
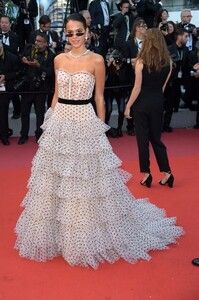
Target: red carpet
(168,276)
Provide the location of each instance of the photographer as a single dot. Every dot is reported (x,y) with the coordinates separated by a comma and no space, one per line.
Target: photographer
(118,73)
(191,28)
(53,39)
(123,24)
(168,30)
(100,16)
(28,10)
(192,90)
(179,54)
(11,43)
(38,76)
(9,65)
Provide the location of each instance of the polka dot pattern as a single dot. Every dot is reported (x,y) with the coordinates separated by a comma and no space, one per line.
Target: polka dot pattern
(78,205)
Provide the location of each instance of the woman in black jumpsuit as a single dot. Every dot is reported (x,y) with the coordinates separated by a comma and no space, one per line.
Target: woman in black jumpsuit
(152,70)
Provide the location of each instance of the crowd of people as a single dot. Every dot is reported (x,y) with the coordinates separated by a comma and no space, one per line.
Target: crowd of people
(27,56)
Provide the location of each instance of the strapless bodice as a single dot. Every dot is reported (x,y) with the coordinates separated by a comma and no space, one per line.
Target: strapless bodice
(77,86)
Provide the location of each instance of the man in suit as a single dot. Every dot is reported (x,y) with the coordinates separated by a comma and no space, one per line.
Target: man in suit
(123,24)
(39,71)
(100,16)
(192,90)
(9,65)
(179,54)
(11,43)
(185,23)
(28,11)
(53,39)
(130,51)
(9,37)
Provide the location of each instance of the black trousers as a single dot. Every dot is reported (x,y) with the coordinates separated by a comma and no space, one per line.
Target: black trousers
(4,107)
(121,107)
(39,101)
(148,126)
(173,95)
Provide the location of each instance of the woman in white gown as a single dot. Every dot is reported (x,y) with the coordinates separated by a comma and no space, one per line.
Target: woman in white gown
(78,205)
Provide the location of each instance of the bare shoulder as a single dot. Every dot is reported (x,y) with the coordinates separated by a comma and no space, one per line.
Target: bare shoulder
(96,58)
(59,57)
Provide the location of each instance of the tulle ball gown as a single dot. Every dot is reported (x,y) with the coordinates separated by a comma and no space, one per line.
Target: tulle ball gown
(78,205)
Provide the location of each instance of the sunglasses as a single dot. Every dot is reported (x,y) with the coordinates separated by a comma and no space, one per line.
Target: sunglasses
(80,33)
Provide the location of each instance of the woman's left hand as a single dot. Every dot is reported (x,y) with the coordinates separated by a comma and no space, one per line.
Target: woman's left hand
(127,113)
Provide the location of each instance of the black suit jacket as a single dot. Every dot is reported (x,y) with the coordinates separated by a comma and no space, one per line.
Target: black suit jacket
(96,12)
(9,65)
(53,34)
(119,23)
(14,42)
(130,49)
(183,65)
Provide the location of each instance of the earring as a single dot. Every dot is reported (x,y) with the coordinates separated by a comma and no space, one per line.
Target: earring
(86,37)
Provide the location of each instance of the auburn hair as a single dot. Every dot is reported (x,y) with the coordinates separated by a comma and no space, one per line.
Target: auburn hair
(154,53)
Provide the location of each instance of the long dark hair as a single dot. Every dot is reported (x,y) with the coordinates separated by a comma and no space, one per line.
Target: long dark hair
(154,53)
(76,17)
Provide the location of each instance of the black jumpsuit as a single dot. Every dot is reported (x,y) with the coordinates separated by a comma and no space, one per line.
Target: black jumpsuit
(148,116)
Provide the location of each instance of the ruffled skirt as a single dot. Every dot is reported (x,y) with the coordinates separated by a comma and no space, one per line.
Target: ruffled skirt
(78,205)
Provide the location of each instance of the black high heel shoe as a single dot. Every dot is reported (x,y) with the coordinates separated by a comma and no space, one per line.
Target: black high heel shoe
(148,181)
(169,181)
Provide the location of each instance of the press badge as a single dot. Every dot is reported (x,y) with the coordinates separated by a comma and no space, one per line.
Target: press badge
(26,22)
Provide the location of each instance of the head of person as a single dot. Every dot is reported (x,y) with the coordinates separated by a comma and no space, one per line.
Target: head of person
(44,23)
(76,30)
(41,41)
(139,28)
(171,27)
(124,5)
(182,36)
(186,16)
(5,23)
(67,47)
(162,15)
(87,17)
(154,53)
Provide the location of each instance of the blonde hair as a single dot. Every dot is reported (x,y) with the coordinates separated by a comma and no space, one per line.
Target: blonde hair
(154,53)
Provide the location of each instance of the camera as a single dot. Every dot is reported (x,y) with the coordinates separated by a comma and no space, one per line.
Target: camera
(189,28)
(96,29)
(164,27)
(21,82)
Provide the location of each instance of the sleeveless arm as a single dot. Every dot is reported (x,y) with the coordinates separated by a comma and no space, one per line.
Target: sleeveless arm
(55,97)
(99,87)
(136,90)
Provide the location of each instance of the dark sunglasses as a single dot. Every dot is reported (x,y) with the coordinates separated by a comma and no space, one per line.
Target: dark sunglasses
(77,34)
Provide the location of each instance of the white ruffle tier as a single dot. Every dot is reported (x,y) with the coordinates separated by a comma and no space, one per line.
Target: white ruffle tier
(78,205)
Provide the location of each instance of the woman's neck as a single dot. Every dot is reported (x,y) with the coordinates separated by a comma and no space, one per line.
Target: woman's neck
(78,51)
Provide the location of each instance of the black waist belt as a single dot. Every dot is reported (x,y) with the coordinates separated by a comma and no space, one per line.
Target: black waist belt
(74,102)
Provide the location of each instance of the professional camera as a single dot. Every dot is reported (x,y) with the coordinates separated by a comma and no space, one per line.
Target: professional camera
(164,27)
(96,29)
(37,81)
(21,82)
(188,27)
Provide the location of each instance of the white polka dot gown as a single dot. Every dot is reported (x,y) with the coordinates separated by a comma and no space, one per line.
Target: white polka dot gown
(78,205)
